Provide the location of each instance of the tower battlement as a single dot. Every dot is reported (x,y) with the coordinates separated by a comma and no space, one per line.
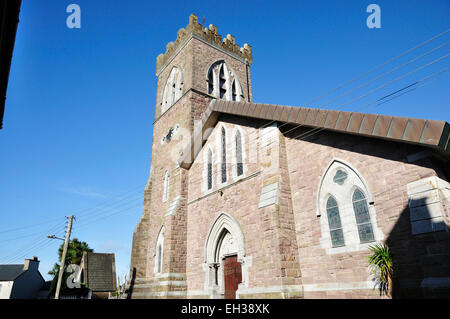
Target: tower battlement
(208,34)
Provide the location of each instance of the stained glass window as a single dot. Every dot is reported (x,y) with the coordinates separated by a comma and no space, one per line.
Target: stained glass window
(239,165)
(224,157)
(340,177)
(209,169)
(362,217)
(334,222)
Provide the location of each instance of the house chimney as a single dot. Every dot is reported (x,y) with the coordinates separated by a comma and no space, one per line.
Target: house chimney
(31,264)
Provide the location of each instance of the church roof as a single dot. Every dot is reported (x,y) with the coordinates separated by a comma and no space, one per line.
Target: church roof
(428,133)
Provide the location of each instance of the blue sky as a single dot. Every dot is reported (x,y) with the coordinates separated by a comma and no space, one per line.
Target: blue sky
(80,103)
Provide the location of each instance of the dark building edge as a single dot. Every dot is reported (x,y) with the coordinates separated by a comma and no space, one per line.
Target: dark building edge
(9,13)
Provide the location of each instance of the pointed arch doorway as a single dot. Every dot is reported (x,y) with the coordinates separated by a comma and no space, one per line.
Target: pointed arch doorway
(225,265)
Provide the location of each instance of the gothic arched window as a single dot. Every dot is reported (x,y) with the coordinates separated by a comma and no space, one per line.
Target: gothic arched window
(224,156)
(239,164)
(209,170)
(347,220)
(166,186)
(223,83)
(362,217)
(334,222)
(159,252)
(172,90)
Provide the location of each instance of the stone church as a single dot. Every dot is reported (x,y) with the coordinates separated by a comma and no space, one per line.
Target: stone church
(251,200)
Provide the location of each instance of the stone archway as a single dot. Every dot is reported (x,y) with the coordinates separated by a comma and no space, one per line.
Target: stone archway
(225,242)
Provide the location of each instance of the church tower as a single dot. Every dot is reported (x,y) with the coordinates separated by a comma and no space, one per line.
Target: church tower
(197,67)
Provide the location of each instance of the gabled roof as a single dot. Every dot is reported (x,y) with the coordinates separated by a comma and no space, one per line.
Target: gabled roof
(428,133)
(10,272)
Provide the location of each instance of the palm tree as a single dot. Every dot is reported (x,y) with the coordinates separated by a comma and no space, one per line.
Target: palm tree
(381,260)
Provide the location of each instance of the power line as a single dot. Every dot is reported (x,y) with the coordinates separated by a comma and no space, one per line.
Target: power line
(114,201)
(104,217)
(107,209)
(379,66)
(21,257)
(385,74)
(414,88)
(396,79)
(28,226)
(372,70)
(304,135)
(370,92)
(28,248)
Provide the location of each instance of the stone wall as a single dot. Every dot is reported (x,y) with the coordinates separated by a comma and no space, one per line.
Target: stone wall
(385,169)
(271,254)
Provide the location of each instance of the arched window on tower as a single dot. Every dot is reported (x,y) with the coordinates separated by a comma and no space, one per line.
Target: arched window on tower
(224,156)
(172,90)
(239,164)
(222,82)
(166,186)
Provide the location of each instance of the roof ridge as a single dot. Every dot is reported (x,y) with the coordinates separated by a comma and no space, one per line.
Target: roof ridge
(424,132)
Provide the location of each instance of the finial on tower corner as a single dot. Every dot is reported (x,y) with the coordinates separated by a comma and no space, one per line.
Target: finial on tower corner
(231,38)
(193,19)
(213,28)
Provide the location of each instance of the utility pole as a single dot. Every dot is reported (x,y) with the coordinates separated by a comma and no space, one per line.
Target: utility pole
(63,257)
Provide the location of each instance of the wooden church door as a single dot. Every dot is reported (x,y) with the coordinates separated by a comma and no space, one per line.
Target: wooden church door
(233,276)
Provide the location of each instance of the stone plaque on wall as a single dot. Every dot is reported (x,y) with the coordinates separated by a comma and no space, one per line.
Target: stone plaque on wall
(100,271)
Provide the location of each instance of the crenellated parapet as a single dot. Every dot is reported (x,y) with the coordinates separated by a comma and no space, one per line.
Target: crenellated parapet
(210,35)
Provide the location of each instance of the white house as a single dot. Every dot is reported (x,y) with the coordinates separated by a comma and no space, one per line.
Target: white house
(20,281)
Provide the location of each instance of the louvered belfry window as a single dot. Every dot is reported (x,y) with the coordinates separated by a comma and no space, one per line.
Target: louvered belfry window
(223,83)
